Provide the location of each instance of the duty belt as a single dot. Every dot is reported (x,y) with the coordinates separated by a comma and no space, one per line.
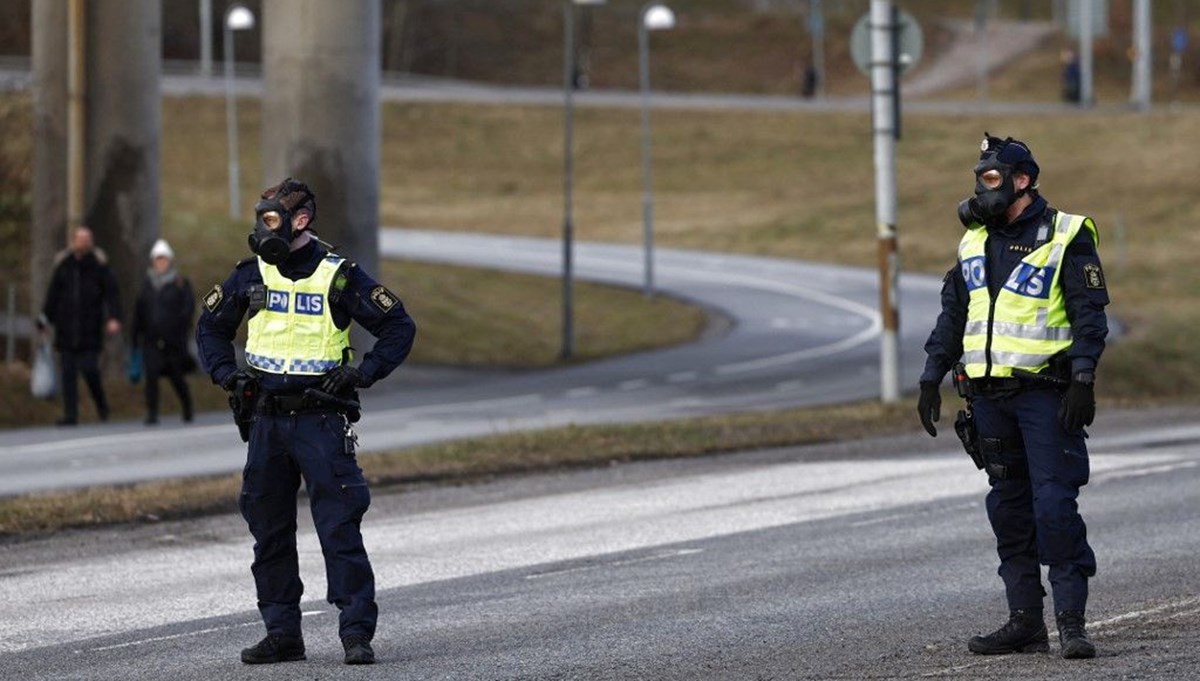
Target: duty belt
(310,401)
(280,405)
(995,386)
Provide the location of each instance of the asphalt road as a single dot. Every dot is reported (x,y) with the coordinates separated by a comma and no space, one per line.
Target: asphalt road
(857,560)
(789,334)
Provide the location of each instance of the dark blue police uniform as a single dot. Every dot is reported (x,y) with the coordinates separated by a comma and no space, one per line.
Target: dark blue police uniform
(1035,518)
(315,444)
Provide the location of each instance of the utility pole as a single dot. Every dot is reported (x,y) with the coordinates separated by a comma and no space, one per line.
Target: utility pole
(1086,98)
(885,79)
(1140,88)
(816,27)
(206,38)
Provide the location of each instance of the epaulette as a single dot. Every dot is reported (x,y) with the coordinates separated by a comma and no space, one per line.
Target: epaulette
(245,261)
(340,279)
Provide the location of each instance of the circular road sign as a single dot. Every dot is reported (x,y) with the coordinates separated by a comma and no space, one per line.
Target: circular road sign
(909,35)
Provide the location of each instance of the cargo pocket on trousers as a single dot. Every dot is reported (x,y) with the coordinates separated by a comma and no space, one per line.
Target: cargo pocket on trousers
(250,500)
(351,484)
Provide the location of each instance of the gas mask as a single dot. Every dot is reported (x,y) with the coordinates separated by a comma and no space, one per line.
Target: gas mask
(272,237)
(994,193)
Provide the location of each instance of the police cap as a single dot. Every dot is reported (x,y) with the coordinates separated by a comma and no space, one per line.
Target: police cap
(1012,152)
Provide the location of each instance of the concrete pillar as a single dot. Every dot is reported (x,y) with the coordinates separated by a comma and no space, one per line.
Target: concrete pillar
(320,114)
(49,222)
(124,119)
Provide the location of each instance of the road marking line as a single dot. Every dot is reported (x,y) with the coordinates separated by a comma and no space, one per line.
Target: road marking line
(688,272)
(515,400)
(1142,472)
(171,637)
(901,516)
(788,386)
(1142,613)
(129,438)
(661,555)
(683,377)
(635,384)
(581,392)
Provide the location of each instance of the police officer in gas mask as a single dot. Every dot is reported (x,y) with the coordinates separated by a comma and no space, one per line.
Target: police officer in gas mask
(1023,313)
(300,299)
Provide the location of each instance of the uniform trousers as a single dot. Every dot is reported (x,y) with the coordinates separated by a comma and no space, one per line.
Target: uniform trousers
(313,446)
(1036,518)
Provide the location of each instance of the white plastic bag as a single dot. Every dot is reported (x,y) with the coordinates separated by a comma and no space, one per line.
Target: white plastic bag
(43,380)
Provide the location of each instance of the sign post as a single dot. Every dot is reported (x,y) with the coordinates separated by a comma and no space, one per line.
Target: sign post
(884,44)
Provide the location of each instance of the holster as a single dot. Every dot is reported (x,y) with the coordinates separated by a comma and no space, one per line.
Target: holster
(243,401)
(964,426)
(1004,458)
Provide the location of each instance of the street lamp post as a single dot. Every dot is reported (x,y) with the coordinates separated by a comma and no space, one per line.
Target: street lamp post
(654,17)
(237,18)
(569,66)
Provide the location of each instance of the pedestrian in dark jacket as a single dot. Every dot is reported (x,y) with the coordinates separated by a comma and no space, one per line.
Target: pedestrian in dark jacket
(162,322)
(82,304)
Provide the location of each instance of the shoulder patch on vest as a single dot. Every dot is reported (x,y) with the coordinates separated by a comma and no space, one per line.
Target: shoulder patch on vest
(1093,277)
(213,300)
(384,299)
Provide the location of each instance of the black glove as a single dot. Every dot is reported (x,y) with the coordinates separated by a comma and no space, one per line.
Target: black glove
(231,381)
(1079,403)
(342,379)
(929,406)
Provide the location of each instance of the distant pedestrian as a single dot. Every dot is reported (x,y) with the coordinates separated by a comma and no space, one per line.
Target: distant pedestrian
(1071,79)
(162,322)
(82,304)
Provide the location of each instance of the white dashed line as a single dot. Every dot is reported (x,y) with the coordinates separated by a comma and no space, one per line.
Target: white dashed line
(585,391)
(636,384)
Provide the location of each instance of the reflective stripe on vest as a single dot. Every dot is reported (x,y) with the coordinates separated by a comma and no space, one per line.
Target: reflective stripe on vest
(1026,324)
(295,333)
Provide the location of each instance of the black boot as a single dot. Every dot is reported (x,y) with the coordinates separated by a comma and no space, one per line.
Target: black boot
(358,650)
(275,649)
(1073,637)
(1024,632)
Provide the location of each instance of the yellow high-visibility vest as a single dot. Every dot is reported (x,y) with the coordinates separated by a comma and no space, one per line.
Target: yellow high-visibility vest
(295,332)
(1026,324)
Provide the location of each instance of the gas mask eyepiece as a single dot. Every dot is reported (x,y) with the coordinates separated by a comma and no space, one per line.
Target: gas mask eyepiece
(271,239)
(994,193)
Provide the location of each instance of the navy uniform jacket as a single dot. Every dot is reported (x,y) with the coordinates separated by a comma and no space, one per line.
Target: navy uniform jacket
(1084,294)
(362,300)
